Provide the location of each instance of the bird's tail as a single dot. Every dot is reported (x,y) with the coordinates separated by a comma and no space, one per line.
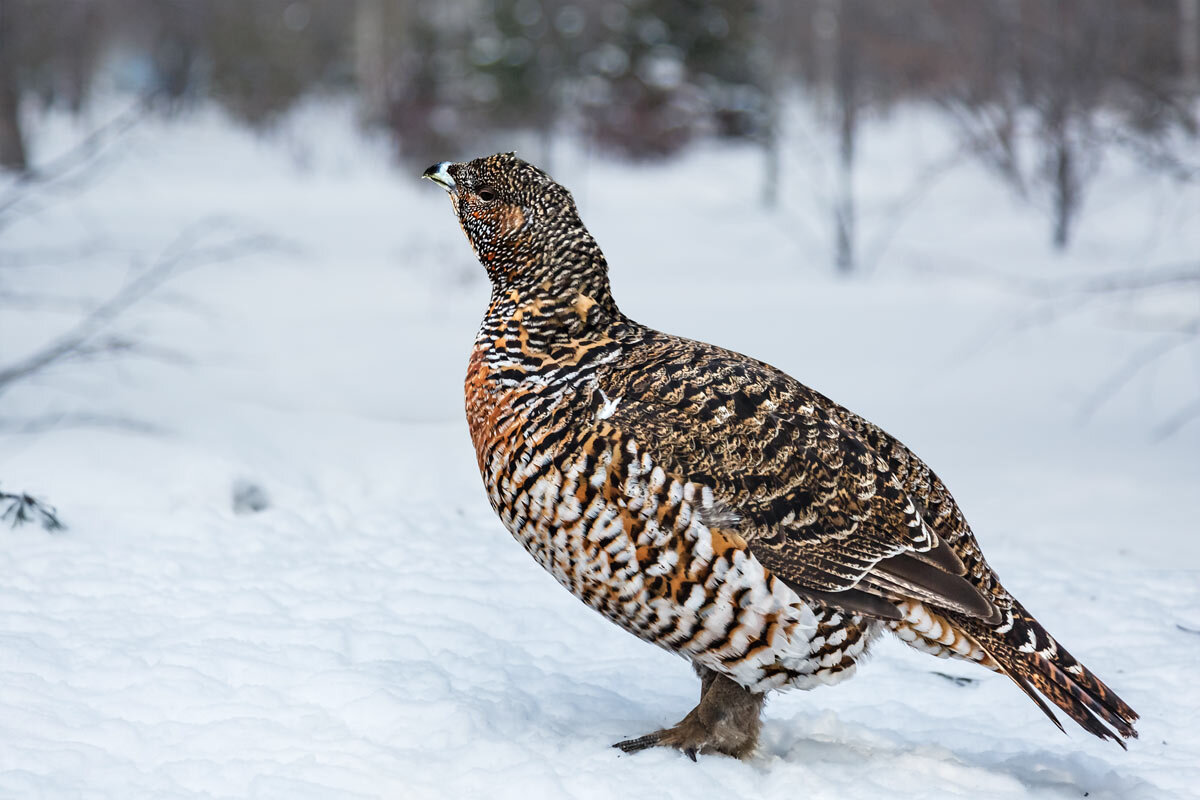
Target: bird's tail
(1022,649)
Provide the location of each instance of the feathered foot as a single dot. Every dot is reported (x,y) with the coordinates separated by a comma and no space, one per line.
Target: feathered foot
(727,721)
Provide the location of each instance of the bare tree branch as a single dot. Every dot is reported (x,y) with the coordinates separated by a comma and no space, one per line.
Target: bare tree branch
(1140,280)
(70,168)
(899,209)
(1185,273)
(1133,365)
(183,252)
(1059,298)
(57,421)
(86,148)
(28,258)
(1178,420)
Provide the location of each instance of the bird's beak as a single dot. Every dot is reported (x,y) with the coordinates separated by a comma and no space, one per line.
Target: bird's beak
(440,174)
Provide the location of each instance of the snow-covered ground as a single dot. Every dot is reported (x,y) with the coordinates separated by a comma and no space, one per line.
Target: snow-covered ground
(376,633)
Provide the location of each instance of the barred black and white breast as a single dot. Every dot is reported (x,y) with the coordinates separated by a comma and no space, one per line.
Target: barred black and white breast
(709,503)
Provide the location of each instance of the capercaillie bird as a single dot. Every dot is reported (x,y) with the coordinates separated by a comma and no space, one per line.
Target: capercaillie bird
(709,503)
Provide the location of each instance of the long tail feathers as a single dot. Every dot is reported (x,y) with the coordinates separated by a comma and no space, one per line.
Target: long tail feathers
(1038,664)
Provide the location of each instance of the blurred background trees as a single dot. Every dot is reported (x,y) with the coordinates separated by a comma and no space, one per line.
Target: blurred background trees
(1040,93)
(1040,89)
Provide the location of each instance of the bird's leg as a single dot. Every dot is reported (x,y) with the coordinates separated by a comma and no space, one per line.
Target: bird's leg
(727,720)
(706,675)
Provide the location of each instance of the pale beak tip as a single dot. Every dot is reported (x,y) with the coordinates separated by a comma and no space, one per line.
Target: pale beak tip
(440,174)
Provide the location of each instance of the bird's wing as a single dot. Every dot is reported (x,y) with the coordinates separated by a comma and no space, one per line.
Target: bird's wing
(938,508)
(817,504)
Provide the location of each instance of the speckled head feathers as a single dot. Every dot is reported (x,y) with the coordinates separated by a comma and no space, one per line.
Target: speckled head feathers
(511,212)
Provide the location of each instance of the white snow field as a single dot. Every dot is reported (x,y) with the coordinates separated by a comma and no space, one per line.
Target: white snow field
(374,632)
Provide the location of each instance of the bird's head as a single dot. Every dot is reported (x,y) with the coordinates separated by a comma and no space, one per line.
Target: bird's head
(520,223)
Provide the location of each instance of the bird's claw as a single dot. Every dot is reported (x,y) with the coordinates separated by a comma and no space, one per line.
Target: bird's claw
(688,737)
(661,738)
(640,743)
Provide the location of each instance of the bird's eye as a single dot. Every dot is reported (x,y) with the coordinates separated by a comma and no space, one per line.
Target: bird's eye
(487,194)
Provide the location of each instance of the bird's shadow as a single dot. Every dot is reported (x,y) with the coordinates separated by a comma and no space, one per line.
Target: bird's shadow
(590,710)
(1041,773)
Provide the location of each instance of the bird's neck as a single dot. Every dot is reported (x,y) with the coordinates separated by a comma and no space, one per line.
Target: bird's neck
(549,330)
(557,296)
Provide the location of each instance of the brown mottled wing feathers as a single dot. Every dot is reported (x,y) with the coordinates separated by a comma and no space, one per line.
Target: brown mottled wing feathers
(820,508)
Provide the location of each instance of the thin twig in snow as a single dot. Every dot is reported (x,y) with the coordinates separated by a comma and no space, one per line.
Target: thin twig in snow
(23,508)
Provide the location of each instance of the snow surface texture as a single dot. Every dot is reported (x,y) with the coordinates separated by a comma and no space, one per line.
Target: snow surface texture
(373,631)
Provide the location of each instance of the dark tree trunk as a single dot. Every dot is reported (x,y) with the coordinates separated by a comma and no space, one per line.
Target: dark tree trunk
(12,142)
(1066,190)
(847,109)
(765,67)
(1189,46)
